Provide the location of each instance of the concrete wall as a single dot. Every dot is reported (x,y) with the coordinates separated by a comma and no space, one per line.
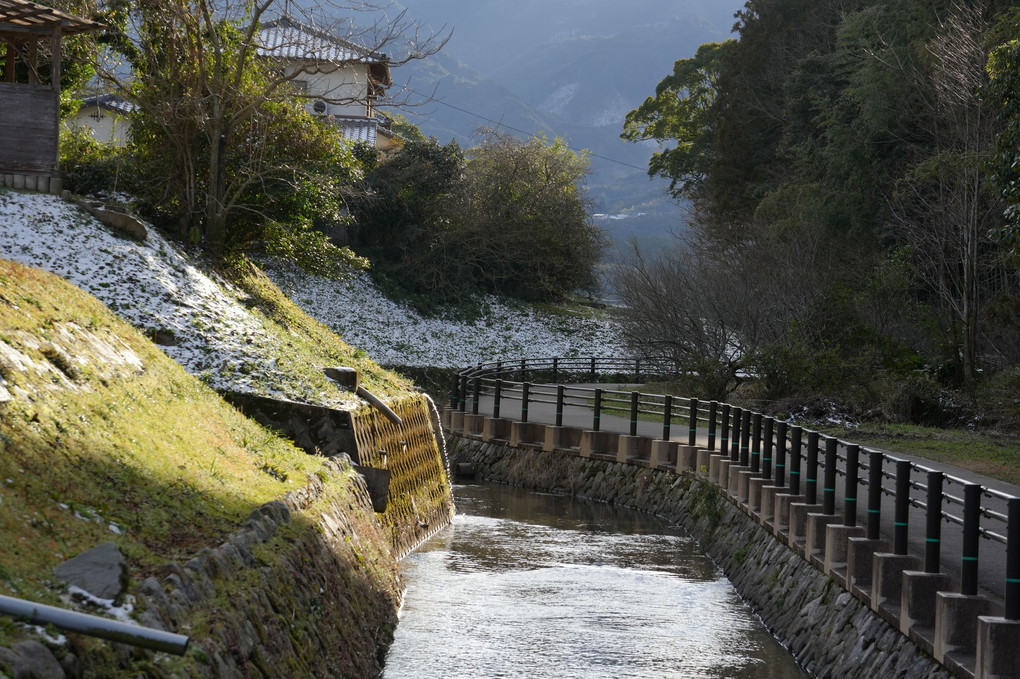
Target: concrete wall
(828,630)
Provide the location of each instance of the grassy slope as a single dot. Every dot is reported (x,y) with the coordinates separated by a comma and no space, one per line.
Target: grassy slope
(106,438)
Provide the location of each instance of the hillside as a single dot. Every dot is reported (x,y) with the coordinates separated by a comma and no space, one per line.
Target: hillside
(112,431)
(104,439)
(571,69)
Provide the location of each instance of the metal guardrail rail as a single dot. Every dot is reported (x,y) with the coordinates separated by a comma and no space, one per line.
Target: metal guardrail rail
(792,456)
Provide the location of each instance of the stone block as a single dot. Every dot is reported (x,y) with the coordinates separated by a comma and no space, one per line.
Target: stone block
(781,516)
(744,486)
(754,486)
(664,453)
(719,469)
(917,605)
(457,421)
(495,429)
(527,434)
(598,442)
(686,459)
(887,583)
(956,622)
(703,459)
(998,648)
(473,424)
(100,571)
(633,449)
(860,564)
(836,536)
(562,439)
(814,536)
(734,474)
(767,510)
(798,522)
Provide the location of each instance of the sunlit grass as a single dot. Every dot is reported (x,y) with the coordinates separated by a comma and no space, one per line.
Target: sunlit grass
(105,438)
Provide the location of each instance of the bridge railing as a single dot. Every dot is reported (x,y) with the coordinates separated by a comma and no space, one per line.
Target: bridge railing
(800,460)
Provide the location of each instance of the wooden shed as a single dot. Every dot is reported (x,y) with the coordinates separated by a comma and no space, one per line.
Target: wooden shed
(30,36)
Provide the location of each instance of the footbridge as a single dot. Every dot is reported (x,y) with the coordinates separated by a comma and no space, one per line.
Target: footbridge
(933,550)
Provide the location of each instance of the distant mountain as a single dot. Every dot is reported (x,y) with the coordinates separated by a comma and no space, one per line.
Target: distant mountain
(570,68)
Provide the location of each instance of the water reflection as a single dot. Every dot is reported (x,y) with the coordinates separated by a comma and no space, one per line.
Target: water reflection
(532,585)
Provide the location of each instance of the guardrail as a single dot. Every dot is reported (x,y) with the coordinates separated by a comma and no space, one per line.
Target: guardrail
(788,456)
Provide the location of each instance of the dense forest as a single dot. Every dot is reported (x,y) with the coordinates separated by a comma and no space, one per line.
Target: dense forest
(851,167)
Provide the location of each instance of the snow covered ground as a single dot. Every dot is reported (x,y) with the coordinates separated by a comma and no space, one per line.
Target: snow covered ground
(153,285)
(394,334)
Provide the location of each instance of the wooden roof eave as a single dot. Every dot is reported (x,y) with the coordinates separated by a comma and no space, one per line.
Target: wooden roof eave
(24,17)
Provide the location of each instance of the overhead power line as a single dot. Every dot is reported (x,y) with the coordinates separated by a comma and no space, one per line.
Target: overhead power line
(524,132)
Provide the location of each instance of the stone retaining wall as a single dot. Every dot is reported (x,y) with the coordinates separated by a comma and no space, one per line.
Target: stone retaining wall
(829,631)
(308,587)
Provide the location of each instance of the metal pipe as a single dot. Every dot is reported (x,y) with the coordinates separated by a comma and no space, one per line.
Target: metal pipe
(853,453)
(933,523)
(713,411)
(385,409)
(93,625)
(692,434)
(667,417)
(875,460)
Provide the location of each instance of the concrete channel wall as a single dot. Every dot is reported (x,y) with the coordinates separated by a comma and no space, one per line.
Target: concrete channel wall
(844,605)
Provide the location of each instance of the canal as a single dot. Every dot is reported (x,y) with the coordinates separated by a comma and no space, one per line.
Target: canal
(545,586)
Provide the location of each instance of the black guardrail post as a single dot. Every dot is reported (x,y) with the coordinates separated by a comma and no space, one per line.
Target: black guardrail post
(559,405)
(637,371)
(525,395)
(499,370)
(667,417)
(971,538)
(596,418)
(692,432)
(829,487)
(811,473)
(767,446)
(1012,611)
(902,514)
(497,396)
(933,523)
(524,369)
(594,375)
(875,460)
(455,392)
(745,438)
(724,430)
(476,392)
(463,393)
(853,455)
(756,443)
(735,435)
(781,428)
(796,441)
(634,396)
(556,370)
(713,413)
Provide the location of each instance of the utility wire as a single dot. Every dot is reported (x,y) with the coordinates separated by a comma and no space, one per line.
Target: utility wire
(524,132)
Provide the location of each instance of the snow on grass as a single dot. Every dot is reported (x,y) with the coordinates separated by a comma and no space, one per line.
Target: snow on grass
(394,334)
(152,285)
(156,287)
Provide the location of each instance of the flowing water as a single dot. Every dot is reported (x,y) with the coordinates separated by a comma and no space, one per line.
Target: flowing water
(544,586)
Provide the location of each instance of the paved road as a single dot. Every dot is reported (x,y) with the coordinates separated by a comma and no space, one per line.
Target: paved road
(992,557)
